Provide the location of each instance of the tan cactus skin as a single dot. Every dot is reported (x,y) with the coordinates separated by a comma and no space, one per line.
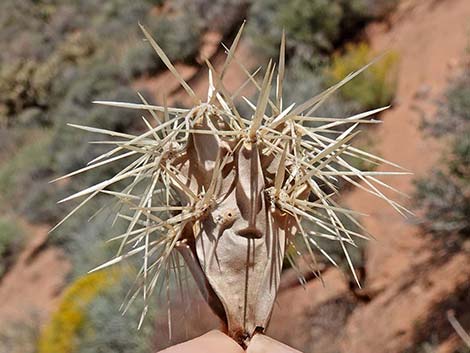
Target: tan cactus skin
(241,241)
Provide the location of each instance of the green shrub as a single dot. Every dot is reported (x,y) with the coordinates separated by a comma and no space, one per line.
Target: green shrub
(33,116)
(11,241)
(302,83)
(78,234)
(223,16)
(454,111)
(29,84)
(59,335)
(445,201)
(263,27)
(20,336)
(74,50)
(21,20)
(373,88)
(315,23)
(112,332)
(459,160)
(140,60)
(16,87)
(39,202)
(458,98)
(314,27)
(17,173)
(114,19)
(444,197)
(88,318)
(69,146)
(63,35)
(379,9)
(178,35)
(101,82)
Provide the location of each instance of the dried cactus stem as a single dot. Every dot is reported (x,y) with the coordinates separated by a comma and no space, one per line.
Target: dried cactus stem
(229,193)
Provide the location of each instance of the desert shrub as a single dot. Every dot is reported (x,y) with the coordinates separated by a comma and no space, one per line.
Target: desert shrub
(313,23)
(100,82)
(88,319)
(20,336)
(66,159)
(108,331)
(379,9)
(458,101)
(74,50)
(139,60)
(263,28)
(59,335)
(16,88)
(303,82)
(71,150)
(220,15)
(314,28)
(178,35)
(444,196)
(29,84)
(373,88)
(12,140)
(65,35)
(33,116)
(20,20)
(454,110)
(446,203)
(11,241)
(25,90)
(79,233)
(39,202)
(116,18)
(65,148)
(459,159)
(17,173)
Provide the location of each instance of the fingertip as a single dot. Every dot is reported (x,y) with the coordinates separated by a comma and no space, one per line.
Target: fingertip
(212,342)
(264,344)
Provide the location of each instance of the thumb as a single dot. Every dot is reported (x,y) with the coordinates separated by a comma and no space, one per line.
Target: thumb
(264,344)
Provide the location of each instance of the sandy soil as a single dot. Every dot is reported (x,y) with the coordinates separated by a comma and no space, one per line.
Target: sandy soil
(29,291)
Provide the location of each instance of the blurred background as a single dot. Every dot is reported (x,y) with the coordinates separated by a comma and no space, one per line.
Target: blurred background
(56,56)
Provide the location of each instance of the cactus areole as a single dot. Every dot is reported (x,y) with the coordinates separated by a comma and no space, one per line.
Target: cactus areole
(228,193)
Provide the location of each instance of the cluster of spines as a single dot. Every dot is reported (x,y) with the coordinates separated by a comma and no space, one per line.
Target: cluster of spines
(310,158)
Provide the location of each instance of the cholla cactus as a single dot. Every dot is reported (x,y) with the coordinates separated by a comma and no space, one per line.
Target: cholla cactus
(230,192)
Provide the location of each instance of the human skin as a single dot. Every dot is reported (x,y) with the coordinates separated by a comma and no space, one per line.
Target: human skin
(217,342)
